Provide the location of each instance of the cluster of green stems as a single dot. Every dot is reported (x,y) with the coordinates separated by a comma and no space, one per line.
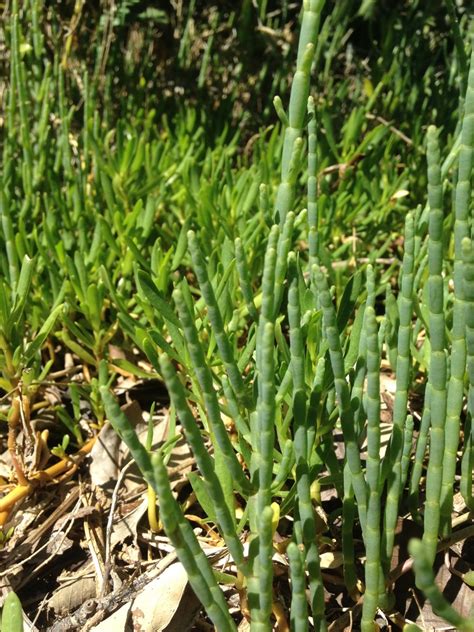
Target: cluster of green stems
(301,379)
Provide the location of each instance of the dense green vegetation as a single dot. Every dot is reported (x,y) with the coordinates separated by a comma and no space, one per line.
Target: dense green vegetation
(261,207)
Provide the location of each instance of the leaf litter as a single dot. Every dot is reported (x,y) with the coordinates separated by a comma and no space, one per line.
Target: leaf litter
(77,566)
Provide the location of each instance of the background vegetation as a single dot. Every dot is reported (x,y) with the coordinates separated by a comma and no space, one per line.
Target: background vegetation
(152,203)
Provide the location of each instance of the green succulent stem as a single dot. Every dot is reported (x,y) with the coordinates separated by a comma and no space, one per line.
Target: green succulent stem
(426,582)
(455,395)
(438,364)
(298,102)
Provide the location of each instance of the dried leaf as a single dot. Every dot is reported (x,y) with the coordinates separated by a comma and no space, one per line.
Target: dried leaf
(69,597)
(105,457)
(331,559)
(149,613)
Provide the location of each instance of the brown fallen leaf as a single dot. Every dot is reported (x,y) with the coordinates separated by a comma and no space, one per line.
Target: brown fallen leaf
(70,596)
(105,458)
(458,594)
(331,559)
(153,609)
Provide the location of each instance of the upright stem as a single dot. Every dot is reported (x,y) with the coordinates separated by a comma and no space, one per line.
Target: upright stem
(403,373)
(438,368)
(298,102)
(462,205)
